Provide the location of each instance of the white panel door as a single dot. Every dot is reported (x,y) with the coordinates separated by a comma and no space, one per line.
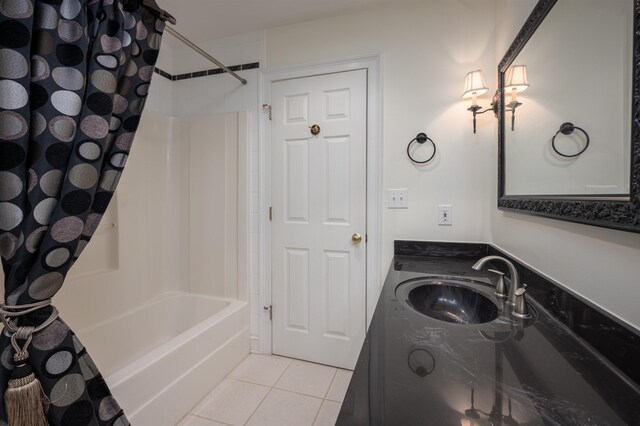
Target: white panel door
(318,196)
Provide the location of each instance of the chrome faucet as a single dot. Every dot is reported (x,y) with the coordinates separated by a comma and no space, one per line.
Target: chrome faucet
(513,275)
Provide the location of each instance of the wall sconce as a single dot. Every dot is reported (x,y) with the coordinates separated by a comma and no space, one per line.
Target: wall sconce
(515,81)
(475,86)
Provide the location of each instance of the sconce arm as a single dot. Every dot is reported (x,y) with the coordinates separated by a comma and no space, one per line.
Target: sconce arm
(480,112)
(476,111)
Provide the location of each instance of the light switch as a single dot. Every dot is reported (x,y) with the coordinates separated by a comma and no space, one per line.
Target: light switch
(398,199)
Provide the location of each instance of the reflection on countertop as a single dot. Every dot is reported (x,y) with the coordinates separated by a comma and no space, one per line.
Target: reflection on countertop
(414,369)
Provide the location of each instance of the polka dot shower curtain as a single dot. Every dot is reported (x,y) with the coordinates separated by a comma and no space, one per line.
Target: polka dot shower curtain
(74,75)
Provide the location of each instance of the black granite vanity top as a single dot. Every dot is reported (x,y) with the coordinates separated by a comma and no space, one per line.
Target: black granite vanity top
(415,370)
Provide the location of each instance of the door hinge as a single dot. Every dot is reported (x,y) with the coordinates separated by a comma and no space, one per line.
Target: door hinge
(270,214)
(269,109)
(270,309)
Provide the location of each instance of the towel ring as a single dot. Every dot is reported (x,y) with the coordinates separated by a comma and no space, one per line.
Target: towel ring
(421,362)
(567,129)
(421,139)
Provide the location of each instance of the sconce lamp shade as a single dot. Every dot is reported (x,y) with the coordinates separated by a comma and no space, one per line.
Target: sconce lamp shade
(516,79)
(474,84)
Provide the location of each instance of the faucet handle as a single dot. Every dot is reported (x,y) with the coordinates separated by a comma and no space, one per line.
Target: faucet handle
(501,287)
(521,310)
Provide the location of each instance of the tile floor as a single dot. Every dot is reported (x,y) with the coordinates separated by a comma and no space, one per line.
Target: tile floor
(267,390)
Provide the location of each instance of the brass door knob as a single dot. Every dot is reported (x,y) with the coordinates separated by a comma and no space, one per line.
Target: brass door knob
(315,129)
(356,238)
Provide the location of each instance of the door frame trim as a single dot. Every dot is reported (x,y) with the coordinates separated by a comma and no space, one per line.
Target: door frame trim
(374,180)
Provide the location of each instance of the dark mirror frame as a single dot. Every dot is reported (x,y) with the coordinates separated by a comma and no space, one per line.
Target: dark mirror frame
(616,213)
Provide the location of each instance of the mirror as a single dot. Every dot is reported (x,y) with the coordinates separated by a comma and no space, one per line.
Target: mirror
(574,151)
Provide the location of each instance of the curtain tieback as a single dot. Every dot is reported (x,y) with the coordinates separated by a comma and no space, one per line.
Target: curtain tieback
(24,398)
(10,314)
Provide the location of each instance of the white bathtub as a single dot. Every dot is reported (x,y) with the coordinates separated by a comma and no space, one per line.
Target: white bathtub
(163,357)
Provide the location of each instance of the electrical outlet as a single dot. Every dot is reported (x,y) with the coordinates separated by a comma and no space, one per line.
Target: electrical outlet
(445,215)
(398,199)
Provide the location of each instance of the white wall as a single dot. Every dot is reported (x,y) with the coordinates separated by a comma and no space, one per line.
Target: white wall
(426,48)
(599,264)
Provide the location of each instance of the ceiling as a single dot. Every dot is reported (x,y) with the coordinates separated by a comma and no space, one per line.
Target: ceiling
(202,20)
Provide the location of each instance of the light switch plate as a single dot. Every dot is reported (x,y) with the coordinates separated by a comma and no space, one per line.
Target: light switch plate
(445,215)
(398,199)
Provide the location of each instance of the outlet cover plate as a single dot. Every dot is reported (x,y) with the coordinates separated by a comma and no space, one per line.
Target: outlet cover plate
(445,215)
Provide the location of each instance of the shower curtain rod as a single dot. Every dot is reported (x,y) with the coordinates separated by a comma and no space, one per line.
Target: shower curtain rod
(203,53)
(152,6)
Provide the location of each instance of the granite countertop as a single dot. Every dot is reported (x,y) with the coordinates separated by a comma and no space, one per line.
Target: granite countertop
(417,370)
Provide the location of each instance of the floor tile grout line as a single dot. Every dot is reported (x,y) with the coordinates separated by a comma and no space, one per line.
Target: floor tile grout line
(265,395)
(258,406)
(335,373)
(305,394)
(283,371)
(299,393)
(334,402)
(193,411)
(235,379)
(286,391)
(207,418)
(341,401)
(248,382)
(315,418)
(270,389)
(229,376)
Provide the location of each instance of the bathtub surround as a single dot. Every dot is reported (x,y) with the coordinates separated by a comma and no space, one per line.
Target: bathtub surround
(214,94)
(58,176)
(218,221)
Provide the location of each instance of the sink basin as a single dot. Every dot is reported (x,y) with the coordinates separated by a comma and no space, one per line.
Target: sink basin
(452,303)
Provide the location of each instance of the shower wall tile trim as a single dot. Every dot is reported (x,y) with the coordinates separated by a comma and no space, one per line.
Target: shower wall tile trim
(204,73)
